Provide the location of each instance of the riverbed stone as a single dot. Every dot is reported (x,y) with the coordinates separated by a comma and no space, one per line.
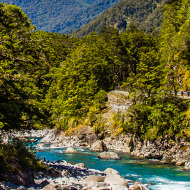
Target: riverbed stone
(95,178)
(52,172)
(109,155)
(116,187)
(65,173)
(101,188)
(70,150)
(80,165)
(111,171)
(50,187)
(134,187)
(98,146)
(187,166)
(115,179)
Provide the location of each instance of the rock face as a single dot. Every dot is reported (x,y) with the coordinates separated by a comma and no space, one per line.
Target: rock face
(99,146)
(70,150)
(109,155)
(124,143)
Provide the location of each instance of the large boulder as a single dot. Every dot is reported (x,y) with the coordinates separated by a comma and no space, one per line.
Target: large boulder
(99,146)
(115,179)
(70,150)
(95,178)
(109,155)
(110,171)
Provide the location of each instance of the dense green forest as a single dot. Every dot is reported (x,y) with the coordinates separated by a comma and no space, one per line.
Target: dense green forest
(51,80)
(145,14)
(62,15)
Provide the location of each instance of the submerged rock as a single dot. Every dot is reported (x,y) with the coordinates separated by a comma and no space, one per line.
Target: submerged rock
(109,155)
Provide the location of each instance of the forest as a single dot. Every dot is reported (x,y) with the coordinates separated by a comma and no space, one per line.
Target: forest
(52,80)
(145,14)
(62,15)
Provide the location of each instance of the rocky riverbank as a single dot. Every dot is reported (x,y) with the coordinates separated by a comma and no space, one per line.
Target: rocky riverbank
(62,175)
(168,151)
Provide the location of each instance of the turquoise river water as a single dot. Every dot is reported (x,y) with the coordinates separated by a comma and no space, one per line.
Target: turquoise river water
(162,177)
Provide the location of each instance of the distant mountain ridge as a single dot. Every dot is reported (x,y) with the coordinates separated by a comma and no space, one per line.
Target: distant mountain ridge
(62,16)
(145,14)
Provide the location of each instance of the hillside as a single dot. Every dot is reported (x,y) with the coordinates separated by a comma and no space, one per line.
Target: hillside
(62,15)
(145,14)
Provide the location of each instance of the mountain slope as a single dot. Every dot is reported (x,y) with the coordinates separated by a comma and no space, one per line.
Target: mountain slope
(62,15)
(146,14)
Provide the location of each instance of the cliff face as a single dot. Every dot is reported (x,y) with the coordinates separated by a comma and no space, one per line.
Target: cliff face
(119,100)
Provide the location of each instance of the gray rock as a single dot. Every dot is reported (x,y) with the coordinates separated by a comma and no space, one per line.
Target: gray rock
(115,179)
(65,173)
(50,187)
(80,165)
(138,187)
(70,150)
(95,178)
(134,187)
(109,155)
(187,166)
(116,187)
(73,180)
(52,173)
(100,188)
(21,188)
(111,171)
(98,146)
(91,184)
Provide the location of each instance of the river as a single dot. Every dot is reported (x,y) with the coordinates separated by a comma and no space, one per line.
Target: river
(161,176)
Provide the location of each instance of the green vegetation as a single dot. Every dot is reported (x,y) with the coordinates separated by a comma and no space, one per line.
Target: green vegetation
(13,155)
(51,80)
(145,14)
